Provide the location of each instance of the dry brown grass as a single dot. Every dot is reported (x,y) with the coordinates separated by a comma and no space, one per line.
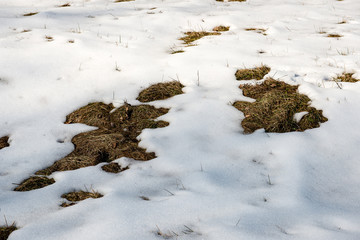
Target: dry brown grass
(160,91)
(95,114)
(257,30)
(346,77)
(5,231)
(193,36)
(33,183)
(113,167)
(77,196)
(221,28)
(4,142)
(65,5)
(115,137)
(275,106)
(118,1)
(30,14)
(334,35)
(257,73)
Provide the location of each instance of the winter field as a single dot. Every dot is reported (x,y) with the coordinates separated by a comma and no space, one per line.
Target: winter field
(210,157)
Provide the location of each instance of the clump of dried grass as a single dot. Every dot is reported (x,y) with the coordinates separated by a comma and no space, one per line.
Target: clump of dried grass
(257,30)
(346,77)
(4,142)
(160,91)
(95,114)
(6,230)
(77,196)
(115,137)
(275,106)
(221,28)
(34,182)
(30,14)
(193,36)
(113,167)
(334,35)
(257,73)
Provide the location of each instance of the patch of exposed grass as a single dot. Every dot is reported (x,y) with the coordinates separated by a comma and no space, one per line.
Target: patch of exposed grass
(334,35)
(49,38)
(5,231)
(257,30)
(4,142)
(113,167)
(346,77)
(77,196)
(117,1)
(221,28)
(193,36)
(177,51)
(65,5)
(275,107)
(160,91)
(257,73)
(115,137)
(34,182)
(95,114)
(30,14)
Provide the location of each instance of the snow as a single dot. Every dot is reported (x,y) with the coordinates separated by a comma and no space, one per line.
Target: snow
(208,175)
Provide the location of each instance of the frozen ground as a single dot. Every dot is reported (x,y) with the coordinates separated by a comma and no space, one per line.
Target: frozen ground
(208,176)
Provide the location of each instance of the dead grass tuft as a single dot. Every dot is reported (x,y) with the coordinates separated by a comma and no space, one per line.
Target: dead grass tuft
(160,91)
(117,1)
(221,28)
(33,183)
(257,30)
(115,137)
(113,167)
(334,35)
(65,5)
(4,142)
(30,14)
(5,231)
(257,73)
(95,114)
(177,51)
(193,36)
(49,38)
(74,197)
(346,77)
(275,106)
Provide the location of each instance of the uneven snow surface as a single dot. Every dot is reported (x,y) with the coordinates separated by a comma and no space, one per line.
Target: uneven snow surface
(209,181)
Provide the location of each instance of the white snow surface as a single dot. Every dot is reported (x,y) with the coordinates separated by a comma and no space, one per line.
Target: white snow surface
(208,176)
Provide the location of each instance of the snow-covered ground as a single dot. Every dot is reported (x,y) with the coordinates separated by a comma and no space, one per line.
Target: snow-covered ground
(208,177)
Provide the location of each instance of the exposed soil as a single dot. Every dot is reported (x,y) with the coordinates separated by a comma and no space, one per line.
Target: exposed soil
(275,107)
(5,231)
(257,73)
(77,196)
(4,142)
(115,137)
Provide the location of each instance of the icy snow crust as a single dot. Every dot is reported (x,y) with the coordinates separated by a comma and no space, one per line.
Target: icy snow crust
(208,177)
